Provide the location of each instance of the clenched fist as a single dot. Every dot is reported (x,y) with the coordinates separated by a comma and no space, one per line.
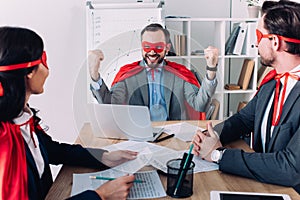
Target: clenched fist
(94,59)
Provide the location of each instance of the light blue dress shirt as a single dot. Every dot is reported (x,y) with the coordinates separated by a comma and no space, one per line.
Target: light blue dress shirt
(157,103)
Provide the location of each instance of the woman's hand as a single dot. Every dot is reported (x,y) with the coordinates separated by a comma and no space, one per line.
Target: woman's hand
(114,158)
(116,189)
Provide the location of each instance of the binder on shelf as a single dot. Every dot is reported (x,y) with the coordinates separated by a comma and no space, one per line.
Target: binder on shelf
(246,73)
(249,47)
(229,45)
(237,50)
(244,78)
(180,45)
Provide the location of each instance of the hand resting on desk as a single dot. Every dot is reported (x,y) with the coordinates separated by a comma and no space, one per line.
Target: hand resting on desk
(206,142)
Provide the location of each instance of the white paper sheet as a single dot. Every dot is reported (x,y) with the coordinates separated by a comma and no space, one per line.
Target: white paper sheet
(151,188)
(183,130)
(149,154)
(203,165)
(156,156)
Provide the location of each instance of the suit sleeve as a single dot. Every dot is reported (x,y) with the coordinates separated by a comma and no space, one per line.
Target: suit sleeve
(89,194)
(199,98)
(76,155)
(103,95)
(278,167)
(238,125)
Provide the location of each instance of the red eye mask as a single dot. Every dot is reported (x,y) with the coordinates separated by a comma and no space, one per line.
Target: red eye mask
(260,35)
(157,47)
(42,60)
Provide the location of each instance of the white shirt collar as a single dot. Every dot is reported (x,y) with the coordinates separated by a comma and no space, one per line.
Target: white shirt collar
(24,117)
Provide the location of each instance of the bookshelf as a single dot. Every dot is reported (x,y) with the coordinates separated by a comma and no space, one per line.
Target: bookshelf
(216,32)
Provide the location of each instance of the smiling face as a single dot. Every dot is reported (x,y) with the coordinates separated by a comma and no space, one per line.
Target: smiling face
(154,47)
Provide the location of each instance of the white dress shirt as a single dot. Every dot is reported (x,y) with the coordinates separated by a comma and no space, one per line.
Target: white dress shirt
(25,130)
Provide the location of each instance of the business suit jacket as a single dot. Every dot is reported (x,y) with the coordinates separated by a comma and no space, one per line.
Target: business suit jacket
(280,164)
(58,153)
(135,91)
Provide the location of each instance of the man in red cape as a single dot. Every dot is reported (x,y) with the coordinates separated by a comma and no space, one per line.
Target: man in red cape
(271,117)
(170,90)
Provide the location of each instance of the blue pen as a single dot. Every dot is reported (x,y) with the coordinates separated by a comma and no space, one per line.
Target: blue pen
(183,169)
(110,179)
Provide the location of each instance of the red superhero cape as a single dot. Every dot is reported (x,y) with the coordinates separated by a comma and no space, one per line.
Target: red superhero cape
(270,76)
(13,165)
(13,168)
(177,69)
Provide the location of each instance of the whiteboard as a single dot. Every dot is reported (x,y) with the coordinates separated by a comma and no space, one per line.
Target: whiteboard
(115,29)
(105,21)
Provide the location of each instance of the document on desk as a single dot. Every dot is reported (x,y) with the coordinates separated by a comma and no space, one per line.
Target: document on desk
(203,165)
(150,188)
(154,155)
(149,154)
(183,130)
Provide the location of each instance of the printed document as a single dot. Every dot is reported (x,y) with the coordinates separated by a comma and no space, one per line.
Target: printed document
(183,130)
(156,156)
(149,154)
(150,188)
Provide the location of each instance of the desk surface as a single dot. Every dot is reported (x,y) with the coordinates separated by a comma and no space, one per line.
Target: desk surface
(204,182)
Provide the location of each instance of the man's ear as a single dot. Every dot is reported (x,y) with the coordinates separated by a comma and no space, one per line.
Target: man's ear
(276,42)
(168,47)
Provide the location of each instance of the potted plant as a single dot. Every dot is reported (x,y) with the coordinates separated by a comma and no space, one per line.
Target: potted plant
(253,2)
(253,8)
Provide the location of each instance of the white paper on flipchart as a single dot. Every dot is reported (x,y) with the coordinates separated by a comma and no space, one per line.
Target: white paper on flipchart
(151,188)
(182,130)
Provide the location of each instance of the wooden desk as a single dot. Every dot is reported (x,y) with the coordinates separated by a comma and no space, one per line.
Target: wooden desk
(203,182)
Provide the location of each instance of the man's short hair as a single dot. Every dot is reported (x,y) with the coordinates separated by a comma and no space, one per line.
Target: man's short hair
(283,18)
(156,27)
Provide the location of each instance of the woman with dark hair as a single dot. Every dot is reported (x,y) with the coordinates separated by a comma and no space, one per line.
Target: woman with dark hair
(25,149)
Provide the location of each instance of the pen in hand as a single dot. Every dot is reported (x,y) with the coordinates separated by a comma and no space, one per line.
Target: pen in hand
(110,179)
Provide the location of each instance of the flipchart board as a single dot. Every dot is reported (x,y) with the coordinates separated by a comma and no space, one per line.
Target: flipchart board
(115,29)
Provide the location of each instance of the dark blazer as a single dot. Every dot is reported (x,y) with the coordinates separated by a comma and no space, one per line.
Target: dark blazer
(281,162)
(58,153)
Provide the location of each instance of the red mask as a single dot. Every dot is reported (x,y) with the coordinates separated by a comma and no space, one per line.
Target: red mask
(260,35)
(42,60)
(157,47)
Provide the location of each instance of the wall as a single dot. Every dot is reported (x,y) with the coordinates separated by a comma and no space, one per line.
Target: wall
(61,24)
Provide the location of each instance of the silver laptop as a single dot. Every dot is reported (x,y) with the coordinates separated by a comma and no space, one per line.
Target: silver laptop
(122,122)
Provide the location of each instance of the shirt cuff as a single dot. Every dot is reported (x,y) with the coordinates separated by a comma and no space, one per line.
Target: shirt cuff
(211,82)
(96,84)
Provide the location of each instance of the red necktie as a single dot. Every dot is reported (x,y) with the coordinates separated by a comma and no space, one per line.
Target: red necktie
(152,70)
(293,75)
